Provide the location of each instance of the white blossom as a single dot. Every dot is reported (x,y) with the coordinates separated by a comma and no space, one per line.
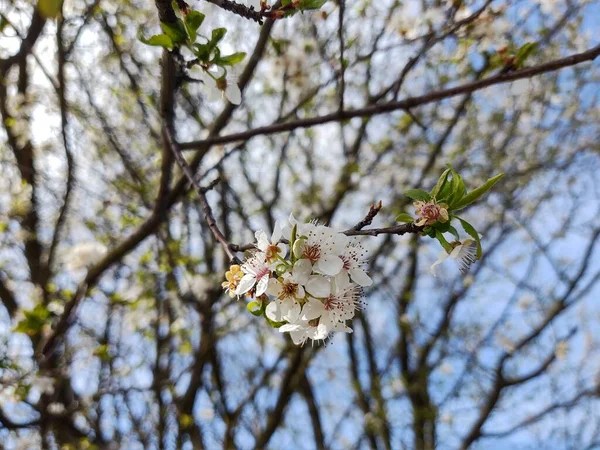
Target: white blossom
(84,255)
(256,271)
(465,254)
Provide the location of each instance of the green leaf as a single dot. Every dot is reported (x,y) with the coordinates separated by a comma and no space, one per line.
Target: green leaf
(176,32)
(471,231)
(476,193)
(452,230)
(442,226)
(255,308)
(49,8)
(231,60)
(458,189)
(418,194)
(194,19)
(442,240)
(158,40)
(305,5)
(217,35)
(34,320)
(403,217)
(440,183)
(524,52)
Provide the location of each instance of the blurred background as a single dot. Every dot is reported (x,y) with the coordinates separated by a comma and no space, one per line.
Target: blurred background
(106,254)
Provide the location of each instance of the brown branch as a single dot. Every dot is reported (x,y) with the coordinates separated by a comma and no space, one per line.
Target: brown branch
(210,218)
(405,104)
(373,211)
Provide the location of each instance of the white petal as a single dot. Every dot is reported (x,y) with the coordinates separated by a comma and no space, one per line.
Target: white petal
(360,277)
(312,309)
(246,283)
(318,286)
(292,310)
(274,287)
(262,240)
(330,265)
(300,292)
(276,232)
(340,241)
(262,285)
(273,311)
(342,328)
(233,93)
(301,271)
(290,327)
(342,280)
(440,260)
(298,336)
(282,249)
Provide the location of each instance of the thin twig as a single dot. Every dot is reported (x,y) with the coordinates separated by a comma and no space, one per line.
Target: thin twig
(408,103)
(210,218)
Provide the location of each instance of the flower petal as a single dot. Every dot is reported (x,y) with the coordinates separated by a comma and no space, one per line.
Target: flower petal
(276,236)
(261,286)
(318,286)
(342,280)
(292,313)
(273,311)
(312,309)
(330,265)
(301,271)
(274,287)
(233,93)
(246,283)
(360,277)
(441,259)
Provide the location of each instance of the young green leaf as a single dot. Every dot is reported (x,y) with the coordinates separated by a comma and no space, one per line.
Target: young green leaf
(403,217)
(158,40)
(311,4)
(524,52)
(440,184)
(231,60)
(255,308)
(176,31)
(471,231)
(442,240)
(193,20)
(476,193)
(217,35)
(452,230)
(418,194)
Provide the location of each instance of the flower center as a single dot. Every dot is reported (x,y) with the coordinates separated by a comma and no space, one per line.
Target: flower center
(346,262)
(332,302)
(222,83)
(289,290)
(431,212)
(272,251)
(312,253)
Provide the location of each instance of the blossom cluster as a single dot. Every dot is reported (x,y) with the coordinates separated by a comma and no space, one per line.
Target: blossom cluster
(308,284)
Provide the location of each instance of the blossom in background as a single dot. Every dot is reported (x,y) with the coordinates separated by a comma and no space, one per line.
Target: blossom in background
(430,212)
(464,253)
(84,255)
(256,272)
(219,85)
